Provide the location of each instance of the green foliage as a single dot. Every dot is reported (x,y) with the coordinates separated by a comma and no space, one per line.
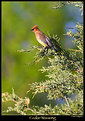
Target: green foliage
(64,77)
(20,105)
(75,109)
(78,37)
(63,3)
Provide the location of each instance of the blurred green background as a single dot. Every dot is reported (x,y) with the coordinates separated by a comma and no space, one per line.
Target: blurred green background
(17,19)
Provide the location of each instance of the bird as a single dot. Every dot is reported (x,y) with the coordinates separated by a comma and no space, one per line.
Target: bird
(44,40)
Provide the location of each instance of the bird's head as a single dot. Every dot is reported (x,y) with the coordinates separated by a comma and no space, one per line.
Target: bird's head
(35,28)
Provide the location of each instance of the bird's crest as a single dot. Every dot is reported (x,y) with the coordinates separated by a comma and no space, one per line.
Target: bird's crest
(36,26)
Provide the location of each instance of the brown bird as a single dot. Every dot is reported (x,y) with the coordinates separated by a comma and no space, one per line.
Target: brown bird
(42,38)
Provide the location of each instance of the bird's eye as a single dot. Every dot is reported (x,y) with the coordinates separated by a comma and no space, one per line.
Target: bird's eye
(32,29)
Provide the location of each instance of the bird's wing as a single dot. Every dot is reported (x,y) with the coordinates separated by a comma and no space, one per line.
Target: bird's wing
(45,39)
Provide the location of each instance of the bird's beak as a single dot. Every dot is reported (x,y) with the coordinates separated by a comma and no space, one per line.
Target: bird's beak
(31,29)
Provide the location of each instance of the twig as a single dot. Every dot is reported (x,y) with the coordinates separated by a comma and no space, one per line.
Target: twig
(79,109)
(68,103)
(32,110)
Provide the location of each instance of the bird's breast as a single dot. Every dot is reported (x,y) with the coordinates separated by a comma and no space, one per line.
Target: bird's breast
(41,41)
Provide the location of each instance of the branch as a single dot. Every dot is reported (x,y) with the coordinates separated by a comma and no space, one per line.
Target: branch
(68,103)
